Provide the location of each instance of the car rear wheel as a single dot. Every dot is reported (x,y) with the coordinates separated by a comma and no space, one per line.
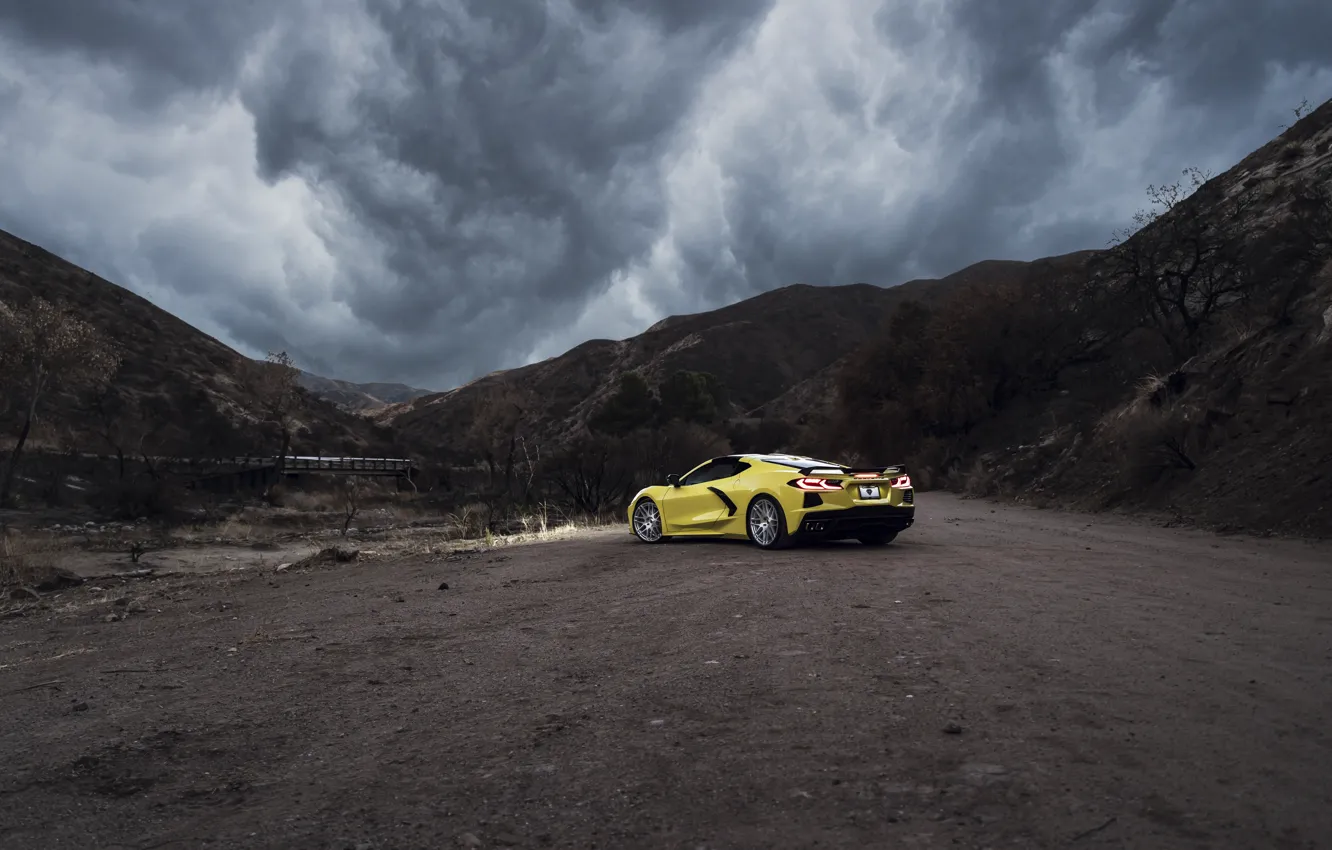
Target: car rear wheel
(647,522)
(878,538)
(767,524)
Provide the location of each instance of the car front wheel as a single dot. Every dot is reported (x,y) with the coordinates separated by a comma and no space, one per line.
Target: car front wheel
(647,522)
(766,523)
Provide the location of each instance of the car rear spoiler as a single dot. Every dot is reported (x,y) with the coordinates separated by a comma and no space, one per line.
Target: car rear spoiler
(894,470)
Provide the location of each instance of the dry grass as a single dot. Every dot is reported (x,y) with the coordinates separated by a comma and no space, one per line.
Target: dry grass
(28,560)
(411,531)
(540,528)
(1237,329)
(544,524)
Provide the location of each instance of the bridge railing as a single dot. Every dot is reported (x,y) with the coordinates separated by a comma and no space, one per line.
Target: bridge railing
(300,463)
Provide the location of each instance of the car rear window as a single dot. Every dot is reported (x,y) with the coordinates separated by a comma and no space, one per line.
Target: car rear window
(794,461)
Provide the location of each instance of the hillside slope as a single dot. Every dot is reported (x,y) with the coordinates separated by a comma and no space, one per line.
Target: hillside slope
(191,379)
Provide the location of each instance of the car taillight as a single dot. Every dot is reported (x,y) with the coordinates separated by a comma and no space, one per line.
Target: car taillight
(866,475)
(904,482)
(821,484)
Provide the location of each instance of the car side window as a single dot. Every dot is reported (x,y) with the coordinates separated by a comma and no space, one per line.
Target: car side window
(702,474)
(716,471)
(722,469)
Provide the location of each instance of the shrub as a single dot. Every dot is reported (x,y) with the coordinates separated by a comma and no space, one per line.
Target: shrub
(1152,433)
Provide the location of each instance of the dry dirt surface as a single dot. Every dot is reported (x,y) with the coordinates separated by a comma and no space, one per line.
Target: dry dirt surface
(999,677)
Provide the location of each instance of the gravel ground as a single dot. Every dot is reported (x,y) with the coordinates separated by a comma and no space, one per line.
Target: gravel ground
(998,677)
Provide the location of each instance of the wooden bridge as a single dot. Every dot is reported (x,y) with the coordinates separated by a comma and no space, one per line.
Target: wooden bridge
(228,475)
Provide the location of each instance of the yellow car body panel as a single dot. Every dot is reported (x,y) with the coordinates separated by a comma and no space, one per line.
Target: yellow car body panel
(715,498)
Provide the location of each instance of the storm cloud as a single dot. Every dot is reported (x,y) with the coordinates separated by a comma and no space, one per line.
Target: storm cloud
(428,190)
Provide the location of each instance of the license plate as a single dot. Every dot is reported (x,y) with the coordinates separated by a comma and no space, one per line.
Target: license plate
(869,491)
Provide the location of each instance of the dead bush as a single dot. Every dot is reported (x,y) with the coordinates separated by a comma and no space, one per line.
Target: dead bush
(471,521)
(1153,433)
(979,481)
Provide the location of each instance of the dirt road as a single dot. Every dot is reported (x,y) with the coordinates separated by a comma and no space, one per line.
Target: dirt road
(999,677)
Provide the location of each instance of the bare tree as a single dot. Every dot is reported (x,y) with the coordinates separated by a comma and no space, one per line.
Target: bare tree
(530,463)
(496,433)
(1186,260)
(274,382)
(1300,111)
(44,349)
(122,423)
(350,493)
(593,473)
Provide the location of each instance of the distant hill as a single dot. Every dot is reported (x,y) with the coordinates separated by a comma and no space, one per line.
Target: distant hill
(359,398)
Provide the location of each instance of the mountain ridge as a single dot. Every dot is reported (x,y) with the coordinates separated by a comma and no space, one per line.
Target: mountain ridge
(359,397)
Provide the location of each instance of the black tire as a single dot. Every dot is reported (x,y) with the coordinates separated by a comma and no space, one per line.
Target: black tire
(773,518)
(642,532)
(878,538)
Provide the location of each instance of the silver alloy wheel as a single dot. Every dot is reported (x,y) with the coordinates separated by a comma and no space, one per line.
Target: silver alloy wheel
(647,521)
(763,522)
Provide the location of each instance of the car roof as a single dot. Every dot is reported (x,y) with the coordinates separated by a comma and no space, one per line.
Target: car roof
(794,461)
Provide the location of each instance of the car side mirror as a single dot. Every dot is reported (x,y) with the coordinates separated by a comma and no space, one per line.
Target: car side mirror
(673,480)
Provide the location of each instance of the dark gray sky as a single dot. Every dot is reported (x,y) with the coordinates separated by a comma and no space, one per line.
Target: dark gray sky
(428,190)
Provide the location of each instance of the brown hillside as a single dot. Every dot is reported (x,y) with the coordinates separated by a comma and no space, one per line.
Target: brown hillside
(190,378)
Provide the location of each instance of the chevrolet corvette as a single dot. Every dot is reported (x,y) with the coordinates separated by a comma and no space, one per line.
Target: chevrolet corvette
(775,500)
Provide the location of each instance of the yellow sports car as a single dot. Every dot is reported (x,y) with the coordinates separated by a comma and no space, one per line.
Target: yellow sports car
(775,500)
